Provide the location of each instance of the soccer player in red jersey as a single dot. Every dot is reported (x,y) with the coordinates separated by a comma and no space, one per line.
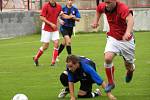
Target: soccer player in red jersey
(49,15)
(120,39)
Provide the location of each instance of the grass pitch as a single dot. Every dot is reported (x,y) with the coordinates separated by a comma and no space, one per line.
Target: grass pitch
(19,75)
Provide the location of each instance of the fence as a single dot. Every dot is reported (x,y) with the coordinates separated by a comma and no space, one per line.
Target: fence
(81,4)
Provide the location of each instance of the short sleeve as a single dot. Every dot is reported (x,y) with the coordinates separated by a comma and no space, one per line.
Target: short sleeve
(78,14)
(44,10)
(101,8)
(124,12)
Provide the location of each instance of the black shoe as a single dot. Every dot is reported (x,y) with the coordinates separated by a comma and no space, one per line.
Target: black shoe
(129,75)
(36,62)
(52,65)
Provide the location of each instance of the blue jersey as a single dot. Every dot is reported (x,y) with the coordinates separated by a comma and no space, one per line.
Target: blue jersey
(86,71)
(74,11)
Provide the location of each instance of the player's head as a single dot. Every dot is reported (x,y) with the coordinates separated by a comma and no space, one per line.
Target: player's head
(110,4)
(70,2)
(72,62)
(52,1)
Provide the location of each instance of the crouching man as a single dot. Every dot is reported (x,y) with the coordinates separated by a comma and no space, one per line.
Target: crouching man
(81,69)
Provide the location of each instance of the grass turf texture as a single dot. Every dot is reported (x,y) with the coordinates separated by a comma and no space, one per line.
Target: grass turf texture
(19,75)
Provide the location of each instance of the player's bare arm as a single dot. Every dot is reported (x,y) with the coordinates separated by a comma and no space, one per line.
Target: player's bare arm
(66,16)
(48,22)
(71,89)
(96,20)
(76,19)
(130,23)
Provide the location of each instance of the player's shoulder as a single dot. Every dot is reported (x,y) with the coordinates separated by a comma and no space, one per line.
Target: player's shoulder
(58,4)
(122,6)
(45,4)
(75,7)
(101,7)
(103,4)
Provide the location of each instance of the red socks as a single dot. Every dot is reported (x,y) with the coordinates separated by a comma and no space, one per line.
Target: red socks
(39,53)
(110,74)
(55,54)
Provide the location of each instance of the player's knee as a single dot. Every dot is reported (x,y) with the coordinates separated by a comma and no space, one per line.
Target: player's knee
(68,43)
(45,46)
(87,95)
(109,57)
(64,78)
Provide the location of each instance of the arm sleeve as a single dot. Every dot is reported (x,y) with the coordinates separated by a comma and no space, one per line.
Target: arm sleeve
(101,8)
(70,76)
(125,12)
(44,11)
(78,14)
(94,75)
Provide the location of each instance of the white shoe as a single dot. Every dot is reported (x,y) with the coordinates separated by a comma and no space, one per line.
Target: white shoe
(97,92)
(63,93)
(57,59)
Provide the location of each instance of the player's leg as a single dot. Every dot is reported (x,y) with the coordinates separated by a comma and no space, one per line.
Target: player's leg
(69,32)
(86,90)
(45,37)
(128,53)
(130,67)
(64,82)
(61,47)
(68,44)
(110,53)
(55,39)
(109,69)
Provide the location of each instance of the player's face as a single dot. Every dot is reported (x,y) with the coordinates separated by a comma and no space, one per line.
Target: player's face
(110,4)
(72,67)
(52,1)
(70,2)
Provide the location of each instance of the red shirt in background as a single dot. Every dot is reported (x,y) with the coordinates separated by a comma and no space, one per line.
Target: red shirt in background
(51,14)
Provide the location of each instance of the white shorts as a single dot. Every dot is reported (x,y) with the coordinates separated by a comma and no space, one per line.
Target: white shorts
(123,48)
(47,36)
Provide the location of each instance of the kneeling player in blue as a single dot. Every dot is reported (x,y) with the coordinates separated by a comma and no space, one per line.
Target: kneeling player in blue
(81,69)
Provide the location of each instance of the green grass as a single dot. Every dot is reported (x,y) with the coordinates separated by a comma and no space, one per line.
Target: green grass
(19,75)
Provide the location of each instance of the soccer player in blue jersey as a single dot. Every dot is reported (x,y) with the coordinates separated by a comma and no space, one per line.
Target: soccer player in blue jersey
(81,69)
(67,25)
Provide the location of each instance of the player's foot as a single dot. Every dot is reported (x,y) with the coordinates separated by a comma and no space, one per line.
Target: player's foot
(109,87)
(97,92)
(129,75)
(63,93)
(36,62)
(57,59)
(52,65)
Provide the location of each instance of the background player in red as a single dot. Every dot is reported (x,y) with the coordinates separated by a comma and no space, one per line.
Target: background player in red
(120,38)
(49,15)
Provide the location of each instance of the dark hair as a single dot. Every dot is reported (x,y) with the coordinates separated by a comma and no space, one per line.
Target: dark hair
(72,58)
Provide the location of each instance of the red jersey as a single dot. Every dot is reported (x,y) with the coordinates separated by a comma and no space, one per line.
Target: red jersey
(51,14)
(116,19)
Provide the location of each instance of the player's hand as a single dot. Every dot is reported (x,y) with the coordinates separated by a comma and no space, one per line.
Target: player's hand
(61,22)
(53,26)
(73,98)
(94,25)
(127,36)
(72,16)
(111,97)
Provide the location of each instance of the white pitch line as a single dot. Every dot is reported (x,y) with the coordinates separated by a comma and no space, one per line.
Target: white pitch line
(5,72)
(6,38)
